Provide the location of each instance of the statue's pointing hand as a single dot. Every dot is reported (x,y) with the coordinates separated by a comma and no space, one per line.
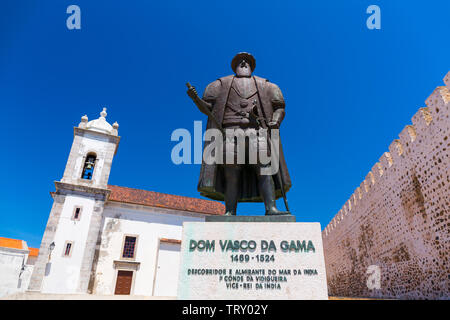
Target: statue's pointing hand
(192,93)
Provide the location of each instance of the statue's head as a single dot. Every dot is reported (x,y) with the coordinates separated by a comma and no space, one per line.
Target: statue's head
(243,64)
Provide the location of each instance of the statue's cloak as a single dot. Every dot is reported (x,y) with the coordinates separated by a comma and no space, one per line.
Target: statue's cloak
(212,182)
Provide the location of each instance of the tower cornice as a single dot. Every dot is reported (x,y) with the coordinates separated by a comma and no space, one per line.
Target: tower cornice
(70,188)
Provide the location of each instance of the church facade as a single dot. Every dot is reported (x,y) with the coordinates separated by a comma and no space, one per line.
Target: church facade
(102,239)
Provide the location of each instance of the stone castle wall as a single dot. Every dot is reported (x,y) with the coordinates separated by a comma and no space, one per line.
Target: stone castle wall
(398,218)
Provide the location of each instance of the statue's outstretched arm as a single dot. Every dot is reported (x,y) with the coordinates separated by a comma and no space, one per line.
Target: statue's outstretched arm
(201,104)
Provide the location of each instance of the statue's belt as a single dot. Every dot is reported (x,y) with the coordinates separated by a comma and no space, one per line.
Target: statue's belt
(240,112)
(244,114)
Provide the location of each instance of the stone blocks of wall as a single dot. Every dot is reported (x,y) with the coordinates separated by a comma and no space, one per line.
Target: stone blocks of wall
(44,251)
(398,218)
(87,266)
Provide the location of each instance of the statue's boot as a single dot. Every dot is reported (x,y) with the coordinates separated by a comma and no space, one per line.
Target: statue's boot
(231,189)
(231,203)
(230,213)
(267,188)
(271,210)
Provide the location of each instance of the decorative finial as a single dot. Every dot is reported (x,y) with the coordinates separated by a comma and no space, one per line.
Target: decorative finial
(84,121)
(103,114)
(115,125)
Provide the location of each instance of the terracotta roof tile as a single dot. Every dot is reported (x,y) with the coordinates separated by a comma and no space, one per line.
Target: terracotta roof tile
(11,243)
(162,200)
(33,252)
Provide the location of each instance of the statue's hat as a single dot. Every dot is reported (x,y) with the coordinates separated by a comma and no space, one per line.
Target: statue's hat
(243,55)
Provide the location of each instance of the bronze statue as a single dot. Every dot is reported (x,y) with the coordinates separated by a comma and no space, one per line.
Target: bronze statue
(243,101)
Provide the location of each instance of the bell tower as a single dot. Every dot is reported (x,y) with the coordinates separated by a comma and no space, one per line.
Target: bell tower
(67,250)
(94,146)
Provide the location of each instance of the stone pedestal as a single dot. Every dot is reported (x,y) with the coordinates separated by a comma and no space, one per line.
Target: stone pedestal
(252,260)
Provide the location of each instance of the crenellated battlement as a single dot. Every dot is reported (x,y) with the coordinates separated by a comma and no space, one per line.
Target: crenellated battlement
(407,137)
(396,218)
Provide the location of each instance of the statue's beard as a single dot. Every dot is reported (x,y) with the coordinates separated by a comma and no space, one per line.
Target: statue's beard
(243,72)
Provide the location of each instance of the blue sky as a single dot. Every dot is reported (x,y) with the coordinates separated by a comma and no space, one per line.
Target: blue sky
(349,90)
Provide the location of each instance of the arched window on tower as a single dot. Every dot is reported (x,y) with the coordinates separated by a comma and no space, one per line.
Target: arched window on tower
(89,165)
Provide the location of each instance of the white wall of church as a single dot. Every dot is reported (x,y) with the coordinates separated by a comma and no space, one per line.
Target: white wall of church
(168,265)
(149,225)
(62,272)
(12,280)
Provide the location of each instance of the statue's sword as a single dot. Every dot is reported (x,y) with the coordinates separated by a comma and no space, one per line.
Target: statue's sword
(257,113)
(210,114)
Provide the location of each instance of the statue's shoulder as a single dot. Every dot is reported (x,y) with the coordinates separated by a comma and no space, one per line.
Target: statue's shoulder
(262,80)
(271,89)
(216,88)
(225,80)
(265,83)
(220,82)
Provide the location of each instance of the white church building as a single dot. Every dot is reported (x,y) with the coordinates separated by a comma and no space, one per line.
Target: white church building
(102,239)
